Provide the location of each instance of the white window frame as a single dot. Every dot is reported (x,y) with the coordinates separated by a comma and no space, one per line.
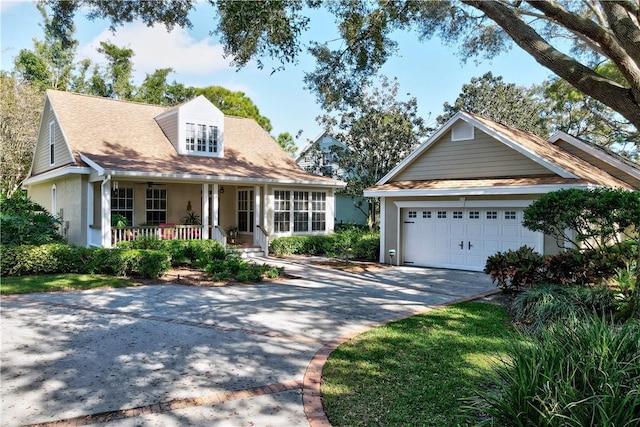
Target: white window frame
(201,138)
(154,199)
(52,143)
(54,200)
(115,198)
(246,204)
(286,211)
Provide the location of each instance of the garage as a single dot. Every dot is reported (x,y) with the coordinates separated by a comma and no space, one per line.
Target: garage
(460,196)
(462,238)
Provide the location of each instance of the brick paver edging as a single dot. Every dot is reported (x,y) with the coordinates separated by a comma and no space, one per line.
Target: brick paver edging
(312,382)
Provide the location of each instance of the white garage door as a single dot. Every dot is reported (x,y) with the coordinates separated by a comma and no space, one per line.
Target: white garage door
(462,238)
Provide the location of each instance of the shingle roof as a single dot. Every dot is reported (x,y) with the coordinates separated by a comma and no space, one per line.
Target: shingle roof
(554,154)
(441,184)
(123,136)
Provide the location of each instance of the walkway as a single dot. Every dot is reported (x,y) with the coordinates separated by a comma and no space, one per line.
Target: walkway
(166,355)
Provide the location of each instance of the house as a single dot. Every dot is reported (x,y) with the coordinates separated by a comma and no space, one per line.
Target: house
(159,167)
(319,156)
(459,197)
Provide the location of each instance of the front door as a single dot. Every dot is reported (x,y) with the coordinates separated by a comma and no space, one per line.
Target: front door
(245,211)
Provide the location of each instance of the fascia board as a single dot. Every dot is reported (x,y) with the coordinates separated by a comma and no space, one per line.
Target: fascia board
(99,169)
(479,191)
(56,173)
(219,179)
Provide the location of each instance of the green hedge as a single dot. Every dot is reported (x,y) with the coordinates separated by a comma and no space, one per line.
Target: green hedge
(362,245)
(183,252)
(22,260)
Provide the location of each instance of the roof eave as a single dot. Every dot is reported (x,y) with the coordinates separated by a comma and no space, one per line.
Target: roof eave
(476,191)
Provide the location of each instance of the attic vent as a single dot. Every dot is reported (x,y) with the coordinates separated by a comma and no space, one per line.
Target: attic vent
(462,131)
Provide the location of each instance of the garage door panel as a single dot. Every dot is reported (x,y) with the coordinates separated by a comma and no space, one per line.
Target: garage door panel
(436,238)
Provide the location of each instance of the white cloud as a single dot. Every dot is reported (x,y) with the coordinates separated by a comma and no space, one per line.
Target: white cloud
(156,48)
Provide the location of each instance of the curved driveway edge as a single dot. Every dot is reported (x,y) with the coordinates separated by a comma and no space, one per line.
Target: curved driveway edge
(312,382)
(167,355)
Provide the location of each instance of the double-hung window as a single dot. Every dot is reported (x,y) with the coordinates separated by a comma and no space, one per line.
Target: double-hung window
(122,203)
(299,211)
(281,211)
(52,143)
(200,138)
(156,206)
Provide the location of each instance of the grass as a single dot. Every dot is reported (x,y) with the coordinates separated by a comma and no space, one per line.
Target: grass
(60,282)
(416,371)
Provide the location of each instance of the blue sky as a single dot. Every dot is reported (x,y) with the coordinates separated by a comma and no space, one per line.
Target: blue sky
(429,71)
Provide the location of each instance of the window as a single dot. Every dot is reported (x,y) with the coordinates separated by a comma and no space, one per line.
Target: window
(300,211)
(52,143)
(413,214)
(457,214)
(318,211)
(281,211)
(510,215)
(492,215)
(54,200)
(442,214)
(156,206)
(191,136)
(122,203)
(474,215)
(426,214)
(245,210)
(201,138)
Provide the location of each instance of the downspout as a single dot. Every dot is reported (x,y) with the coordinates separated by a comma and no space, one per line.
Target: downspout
(105,217)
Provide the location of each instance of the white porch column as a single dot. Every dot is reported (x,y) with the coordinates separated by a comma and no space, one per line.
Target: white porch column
(105,214)
(331,210)
(268,204)
(257,207)
(216,205)
(89,213)
(205,211)
(383,239)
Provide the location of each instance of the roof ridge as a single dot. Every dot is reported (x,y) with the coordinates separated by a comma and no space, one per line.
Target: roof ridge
(105,98)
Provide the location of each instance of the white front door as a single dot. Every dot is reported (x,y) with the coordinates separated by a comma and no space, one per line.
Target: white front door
(462,238)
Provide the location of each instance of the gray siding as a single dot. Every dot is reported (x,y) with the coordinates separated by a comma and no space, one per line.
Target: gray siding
(169,125)
(41,160)
(482,157)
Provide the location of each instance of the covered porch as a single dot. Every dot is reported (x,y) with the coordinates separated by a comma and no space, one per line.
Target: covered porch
(122,208)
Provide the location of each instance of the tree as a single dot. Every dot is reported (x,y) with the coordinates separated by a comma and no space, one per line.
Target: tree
(604,31)
(50,64)
(119,70)
(19,116)
(577,114)
(155,89)
(379,132)
(506,103)
(285,140)
(234,103)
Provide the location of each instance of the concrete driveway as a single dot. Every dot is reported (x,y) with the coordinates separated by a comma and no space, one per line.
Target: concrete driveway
(166,355)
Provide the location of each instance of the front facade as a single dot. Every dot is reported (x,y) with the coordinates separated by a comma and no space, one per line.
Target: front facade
(115,170)
(320,157)
(459,198)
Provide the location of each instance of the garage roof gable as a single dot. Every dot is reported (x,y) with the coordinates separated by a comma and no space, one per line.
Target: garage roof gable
(546,158)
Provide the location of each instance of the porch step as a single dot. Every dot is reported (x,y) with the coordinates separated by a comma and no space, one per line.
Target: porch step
(248,251)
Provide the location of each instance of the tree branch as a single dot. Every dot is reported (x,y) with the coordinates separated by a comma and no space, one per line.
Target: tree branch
(582,77)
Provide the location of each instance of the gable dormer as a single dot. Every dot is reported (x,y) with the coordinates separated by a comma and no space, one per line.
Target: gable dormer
(195,128)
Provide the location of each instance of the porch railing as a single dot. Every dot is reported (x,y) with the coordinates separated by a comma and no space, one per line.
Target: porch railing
(219,235)
(162,232)
(262,239)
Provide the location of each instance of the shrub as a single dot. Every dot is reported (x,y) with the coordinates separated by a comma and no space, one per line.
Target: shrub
(578,374)
(24,222)
(539,307)
(63,258)
(182,252)
(515,269)
(362,245)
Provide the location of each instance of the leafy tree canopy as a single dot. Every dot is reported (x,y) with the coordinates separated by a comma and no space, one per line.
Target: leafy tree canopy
(285,140)
(234,103)
(491,97)
(19,115)
(378,133)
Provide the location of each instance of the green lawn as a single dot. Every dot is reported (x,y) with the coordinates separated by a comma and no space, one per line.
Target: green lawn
(59,282)
(415,371)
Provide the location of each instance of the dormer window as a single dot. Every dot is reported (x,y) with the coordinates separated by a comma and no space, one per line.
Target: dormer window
(201,138)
